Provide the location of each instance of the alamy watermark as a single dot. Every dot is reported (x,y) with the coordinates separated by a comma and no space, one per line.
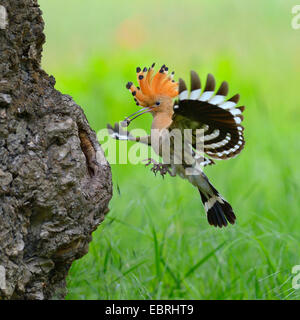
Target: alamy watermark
(174,147)
(296,19)
(2,278)
(296,278)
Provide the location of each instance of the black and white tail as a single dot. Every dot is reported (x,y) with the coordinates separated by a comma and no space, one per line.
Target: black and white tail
(218,210)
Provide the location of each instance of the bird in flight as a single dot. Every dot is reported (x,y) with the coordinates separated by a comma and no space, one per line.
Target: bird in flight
(175,109)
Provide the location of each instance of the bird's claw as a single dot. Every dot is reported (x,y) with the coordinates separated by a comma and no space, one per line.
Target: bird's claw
(162,168)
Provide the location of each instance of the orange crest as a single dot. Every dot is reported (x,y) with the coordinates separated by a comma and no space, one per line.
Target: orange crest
(152,86)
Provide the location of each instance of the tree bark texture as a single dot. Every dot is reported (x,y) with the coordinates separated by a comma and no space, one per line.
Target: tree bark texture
(55,184)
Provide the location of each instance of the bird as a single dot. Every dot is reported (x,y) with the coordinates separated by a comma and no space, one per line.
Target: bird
(176,109)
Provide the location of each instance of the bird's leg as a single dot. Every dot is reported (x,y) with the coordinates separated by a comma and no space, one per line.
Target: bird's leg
(162,168)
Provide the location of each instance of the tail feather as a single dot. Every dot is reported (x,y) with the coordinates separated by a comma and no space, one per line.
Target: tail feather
(218,210)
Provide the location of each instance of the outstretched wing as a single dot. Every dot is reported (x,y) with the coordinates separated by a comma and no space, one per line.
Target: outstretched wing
(220,118)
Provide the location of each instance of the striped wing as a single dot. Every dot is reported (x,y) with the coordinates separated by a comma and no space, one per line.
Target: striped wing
(220,118)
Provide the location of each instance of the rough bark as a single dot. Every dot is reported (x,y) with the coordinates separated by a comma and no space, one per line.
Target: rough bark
(55,184)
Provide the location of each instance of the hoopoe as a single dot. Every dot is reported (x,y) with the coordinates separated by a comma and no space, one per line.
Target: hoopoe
(206,109)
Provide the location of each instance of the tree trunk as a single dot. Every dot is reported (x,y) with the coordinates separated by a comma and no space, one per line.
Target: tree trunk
(55,184)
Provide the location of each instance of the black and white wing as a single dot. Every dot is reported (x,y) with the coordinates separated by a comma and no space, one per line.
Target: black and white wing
(209,110)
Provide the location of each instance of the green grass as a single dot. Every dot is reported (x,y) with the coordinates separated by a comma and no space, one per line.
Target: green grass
(156,243)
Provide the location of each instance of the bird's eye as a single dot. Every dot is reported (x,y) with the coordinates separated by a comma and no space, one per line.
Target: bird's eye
(157,103)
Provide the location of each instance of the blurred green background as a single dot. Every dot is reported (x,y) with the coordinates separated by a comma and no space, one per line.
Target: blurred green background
(156,243)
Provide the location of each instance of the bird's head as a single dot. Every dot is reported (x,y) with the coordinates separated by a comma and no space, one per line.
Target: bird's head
(155,92)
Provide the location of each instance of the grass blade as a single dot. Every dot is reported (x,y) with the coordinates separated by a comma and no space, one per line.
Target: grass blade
(129,270)
(204,259)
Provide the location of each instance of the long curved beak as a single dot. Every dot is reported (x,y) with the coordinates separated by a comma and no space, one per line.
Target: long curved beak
(128,119)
